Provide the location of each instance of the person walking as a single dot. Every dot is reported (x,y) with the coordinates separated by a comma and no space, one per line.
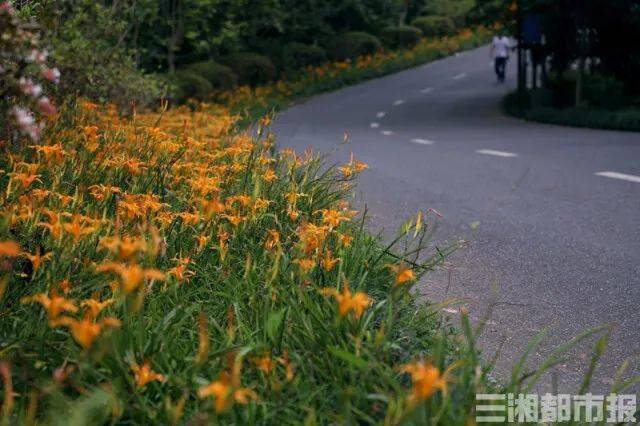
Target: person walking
(500,53)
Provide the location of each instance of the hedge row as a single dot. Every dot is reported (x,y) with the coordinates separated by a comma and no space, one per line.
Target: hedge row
(199,79)
(626,119)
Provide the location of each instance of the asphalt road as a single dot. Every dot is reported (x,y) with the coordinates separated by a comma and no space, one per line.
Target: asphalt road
(561,243)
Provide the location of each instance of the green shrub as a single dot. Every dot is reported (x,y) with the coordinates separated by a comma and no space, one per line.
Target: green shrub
(354,44)
(403,37)
(537,107)
(220,77)
(94,64)
(434,26)
(187,85)
(304,55)
(252,69)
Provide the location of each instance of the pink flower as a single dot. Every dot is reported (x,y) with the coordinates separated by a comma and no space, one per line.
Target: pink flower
(51,74)
(27,122)
(38,56)
(46,107)
(29,88)
(6,7)
(24,118)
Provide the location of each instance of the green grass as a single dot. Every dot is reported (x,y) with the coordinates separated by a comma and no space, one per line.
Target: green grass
(626,119)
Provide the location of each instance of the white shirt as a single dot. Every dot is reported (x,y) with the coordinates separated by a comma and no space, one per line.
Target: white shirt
(501,47)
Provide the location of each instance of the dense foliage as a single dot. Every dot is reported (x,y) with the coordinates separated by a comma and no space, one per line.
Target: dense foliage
(121,50)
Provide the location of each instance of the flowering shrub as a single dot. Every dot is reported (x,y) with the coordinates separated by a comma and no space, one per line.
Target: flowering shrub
(118,235)
(23,69)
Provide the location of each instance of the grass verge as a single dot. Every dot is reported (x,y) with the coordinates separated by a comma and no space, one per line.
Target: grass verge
(166,269)
(627,119)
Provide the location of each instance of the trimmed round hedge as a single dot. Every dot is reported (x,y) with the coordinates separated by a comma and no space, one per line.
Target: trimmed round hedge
(404,37)
(220,77)
(187,85)
(252,69)
(304,55)
(351,45)
(434,26)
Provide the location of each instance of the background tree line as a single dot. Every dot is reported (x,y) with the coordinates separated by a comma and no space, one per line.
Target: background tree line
(106,46)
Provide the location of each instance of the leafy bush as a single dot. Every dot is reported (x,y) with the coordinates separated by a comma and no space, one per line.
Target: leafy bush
(23,71)
(403,37)
(354,44)
(599,91)
(456,10)
(187,85)
(86,48)
(538,108)
(252,69)
(307,54)
(220,77)
(434,26)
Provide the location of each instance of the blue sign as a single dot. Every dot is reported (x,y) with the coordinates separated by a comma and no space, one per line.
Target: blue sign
(531,29)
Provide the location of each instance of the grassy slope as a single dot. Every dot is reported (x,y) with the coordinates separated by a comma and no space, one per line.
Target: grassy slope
(265,321)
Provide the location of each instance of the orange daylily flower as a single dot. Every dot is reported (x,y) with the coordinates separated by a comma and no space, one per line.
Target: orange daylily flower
(332,218)
(403,273)
(125,247)
(348,301)
(25,179)
(265,364)
(226,391)
(10,249)
(181,272)
(100,192)
(328,261)
(427,380)
(94,307)
(273,239)
(306,265)
(345,240)
(202,241)
(52,153)
(131,275)
(54,304)
(77,228)
(144,375)
(86,330)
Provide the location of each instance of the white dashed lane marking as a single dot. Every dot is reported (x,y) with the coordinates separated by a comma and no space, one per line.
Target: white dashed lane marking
(422,141)
(496,153)
(387,132)
(460,76)
(621,176)
(375,125)
(426,90)
(381,114)
(398,102)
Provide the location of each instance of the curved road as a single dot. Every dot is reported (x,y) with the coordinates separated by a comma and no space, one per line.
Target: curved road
(561,243)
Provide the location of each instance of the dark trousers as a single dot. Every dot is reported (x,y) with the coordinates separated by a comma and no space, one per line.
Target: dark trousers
(501,68)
